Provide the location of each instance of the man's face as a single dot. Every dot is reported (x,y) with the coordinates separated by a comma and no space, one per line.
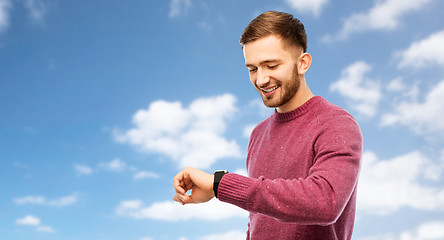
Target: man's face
(273,71)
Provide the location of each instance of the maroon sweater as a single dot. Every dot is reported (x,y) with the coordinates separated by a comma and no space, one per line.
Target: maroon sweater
(303,170)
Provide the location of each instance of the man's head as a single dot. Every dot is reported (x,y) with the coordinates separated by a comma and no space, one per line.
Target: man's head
(274,46)
(280,24)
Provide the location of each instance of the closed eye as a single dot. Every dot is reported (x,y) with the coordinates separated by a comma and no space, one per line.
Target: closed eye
(252,70)
(273,66)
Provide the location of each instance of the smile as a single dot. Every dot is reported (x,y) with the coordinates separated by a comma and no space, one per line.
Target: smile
(270,89)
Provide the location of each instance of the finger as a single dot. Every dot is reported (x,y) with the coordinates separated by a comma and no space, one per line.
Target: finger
(187,181)
(178,199)
(179,185)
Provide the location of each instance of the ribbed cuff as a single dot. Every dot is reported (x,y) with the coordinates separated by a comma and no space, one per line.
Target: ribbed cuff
(235,189)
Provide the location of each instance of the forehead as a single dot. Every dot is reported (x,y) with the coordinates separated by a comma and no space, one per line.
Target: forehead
(264,49)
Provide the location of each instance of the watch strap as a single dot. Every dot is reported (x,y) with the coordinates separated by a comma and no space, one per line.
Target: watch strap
(217,177)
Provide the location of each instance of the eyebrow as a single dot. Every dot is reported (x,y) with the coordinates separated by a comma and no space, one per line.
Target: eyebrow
(264,62)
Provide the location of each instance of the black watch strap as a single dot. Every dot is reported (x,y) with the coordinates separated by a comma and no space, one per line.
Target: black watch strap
(217,177)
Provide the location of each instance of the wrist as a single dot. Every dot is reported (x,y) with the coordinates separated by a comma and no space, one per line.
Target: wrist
(217,178)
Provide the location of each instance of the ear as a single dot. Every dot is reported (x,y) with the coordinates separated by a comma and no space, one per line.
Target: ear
(304,63)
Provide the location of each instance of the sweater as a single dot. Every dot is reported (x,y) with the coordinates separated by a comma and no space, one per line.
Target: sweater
(303,169)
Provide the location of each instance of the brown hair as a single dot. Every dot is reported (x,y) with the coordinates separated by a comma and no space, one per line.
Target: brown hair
(281,24)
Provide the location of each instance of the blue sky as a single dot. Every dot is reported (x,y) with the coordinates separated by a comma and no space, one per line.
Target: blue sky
(103,102)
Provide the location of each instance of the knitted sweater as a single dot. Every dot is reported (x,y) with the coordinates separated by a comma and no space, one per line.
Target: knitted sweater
(303,170)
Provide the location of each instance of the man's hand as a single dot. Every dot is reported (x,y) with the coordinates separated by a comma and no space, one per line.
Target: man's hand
(200,183)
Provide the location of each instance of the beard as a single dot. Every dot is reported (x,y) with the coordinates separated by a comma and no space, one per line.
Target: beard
(287,91)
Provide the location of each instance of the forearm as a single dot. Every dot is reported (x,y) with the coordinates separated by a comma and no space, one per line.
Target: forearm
(318,199)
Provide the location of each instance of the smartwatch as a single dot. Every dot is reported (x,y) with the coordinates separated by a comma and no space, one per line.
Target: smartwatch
(217,177)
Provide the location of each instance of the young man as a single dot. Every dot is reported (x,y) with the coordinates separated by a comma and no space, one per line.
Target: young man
(303,161)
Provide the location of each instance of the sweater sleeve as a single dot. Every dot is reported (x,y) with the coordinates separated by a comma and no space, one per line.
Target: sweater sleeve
(317,199)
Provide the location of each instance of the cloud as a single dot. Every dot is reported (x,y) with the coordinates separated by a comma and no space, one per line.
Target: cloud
(63,201)
(34,221)
(36,9)
(425,117)
(213,210)
(47,229)
(178,7)
(144,174)
(205,26)
(5,6)
(388,185)
(423,53)
(248,130)
(189,136)
(30,200)
(314,6)
(362,92)
(384,15)
(426,231)
(433,230)
(146,238)
(241,171)
(232,235)
(82,169)
(116,165)
(28,220)
(396,85)
(39,200)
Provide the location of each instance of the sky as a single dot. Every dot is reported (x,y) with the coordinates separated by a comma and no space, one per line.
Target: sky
(103,102)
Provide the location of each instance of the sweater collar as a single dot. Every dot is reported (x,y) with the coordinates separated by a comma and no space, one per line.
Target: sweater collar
(288,116)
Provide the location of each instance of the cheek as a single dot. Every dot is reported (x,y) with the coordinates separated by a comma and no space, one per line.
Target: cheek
(283,74)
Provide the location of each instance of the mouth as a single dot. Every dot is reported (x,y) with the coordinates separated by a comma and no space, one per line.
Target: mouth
(269,91)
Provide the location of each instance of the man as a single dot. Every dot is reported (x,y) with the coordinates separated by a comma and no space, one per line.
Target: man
(303,161)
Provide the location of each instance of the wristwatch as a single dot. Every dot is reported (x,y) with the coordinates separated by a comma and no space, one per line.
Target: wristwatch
(217,177)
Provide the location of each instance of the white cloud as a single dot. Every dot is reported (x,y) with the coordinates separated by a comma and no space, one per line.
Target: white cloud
(189,136)
(36,8)
(34,221)
(362,92)
(396,85)
(433,230)
(425,117)
(39,200)
(115,165)
(144,174)
(257,107)
(46,229)
(314,6)
(426,231)
(423,53)
(388,185)
(248,130)
(146,238)
(179,7)
(5,6)
(28,220)
(82,169)
(30,200)
(384,15)
(232,235)
(63,201)
(213,210)
(241,171)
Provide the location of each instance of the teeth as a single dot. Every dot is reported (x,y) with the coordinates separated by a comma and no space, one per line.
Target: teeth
(270,89)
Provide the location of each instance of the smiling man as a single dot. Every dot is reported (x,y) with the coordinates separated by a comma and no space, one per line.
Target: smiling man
(303,161)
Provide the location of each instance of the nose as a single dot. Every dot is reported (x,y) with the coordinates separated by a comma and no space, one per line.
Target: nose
(262,78)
